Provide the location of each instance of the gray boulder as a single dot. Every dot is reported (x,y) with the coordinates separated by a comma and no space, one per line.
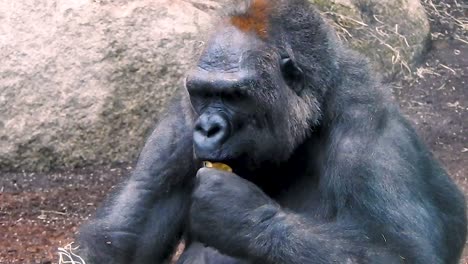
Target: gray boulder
(82,82)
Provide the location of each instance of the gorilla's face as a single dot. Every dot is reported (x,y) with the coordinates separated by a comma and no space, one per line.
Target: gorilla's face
(247,96)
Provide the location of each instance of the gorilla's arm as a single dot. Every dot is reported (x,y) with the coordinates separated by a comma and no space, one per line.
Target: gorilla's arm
(383,215)
(237,218)
(234,216)
(143,221)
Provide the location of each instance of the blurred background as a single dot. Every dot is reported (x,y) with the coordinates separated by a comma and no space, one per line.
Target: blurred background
(82,82)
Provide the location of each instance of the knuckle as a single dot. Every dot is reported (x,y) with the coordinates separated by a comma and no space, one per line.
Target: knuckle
(209,176)
(202,171)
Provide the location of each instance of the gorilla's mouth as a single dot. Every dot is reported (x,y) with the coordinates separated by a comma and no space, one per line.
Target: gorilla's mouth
(212,156)
(224,153)
(235,162)
(243,165)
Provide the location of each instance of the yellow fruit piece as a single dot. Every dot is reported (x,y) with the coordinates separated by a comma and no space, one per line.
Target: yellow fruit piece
(217,165)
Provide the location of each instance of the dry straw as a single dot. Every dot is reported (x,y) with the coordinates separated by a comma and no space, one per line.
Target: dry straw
(67,256)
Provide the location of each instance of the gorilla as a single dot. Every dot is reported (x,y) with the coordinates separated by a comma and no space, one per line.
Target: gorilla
(325,167)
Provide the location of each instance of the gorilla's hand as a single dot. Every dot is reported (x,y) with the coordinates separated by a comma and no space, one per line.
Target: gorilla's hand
(229,213)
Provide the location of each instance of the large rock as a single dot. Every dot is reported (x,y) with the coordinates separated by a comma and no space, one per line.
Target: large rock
(82,81)
(392,33)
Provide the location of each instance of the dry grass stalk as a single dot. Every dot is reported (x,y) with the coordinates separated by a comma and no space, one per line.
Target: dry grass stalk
(67,256)
(345,25)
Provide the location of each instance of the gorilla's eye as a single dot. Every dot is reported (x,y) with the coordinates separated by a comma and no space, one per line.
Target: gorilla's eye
(292,74)
(233,95)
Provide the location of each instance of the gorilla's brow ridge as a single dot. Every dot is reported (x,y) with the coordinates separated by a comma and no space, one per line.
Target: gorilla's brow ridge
(255,18)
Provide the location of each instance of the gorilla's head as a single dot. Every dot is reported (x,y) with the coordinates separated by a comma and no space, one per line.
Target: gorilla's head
(259,85)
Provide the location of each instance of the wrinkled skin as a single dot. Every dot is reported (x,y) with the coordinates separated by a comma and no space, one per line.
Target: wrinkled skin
(326,169)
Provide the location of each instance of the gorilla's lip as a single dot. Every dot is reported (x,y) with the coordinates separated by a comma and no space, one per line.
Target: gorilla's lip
(236,159)
(238,163)
(213,155)
(219,159)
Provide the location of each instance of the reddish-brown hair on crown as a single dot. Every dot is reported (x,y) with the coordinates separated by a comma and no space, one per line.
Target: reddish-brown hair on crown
(255,19)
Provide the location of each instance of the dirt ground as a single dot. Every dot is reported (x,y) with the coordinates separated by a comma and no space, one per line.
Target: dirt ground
(41,211)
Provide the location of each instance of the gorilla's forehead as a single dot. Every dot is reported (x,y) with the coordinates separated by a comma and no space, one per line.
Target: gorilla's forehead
(227,48)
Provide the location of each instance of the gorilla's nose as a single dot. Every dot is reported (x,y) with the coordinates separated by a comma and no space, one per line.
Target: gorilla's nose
(211,130)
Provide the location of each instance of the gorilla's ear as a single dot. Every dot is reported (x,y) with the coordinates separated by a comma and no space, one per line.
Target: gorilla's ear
(292,74)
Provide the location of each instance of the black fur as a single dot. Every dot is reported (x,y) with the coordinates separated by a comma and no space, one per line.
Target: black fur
(327,170)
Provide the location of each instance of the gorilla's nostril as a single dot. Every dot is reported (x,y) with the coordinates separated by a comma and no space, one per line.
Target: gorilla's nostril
(212,131)
(200,129)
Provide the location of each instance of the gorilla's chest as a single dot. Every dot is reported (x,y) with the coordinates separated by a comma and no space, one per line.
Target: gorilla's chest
(300,194)
(303,198)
